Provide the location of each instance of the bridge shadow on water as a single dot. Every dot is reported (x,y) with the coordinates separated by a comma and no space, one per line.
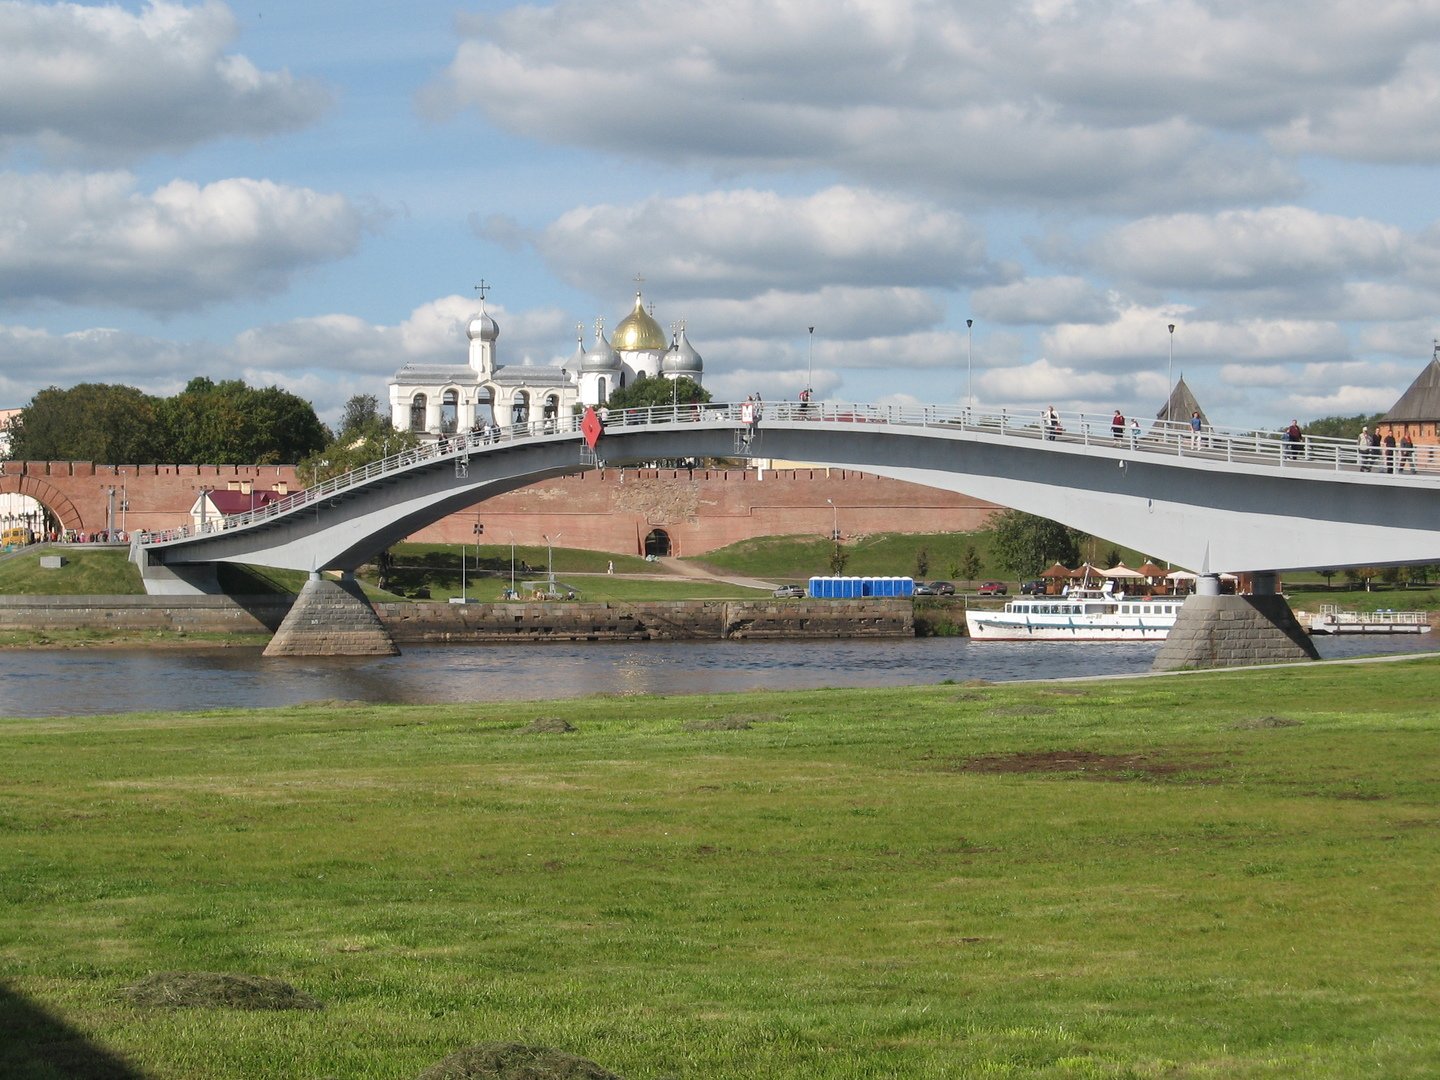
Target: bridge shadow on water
(38,1045)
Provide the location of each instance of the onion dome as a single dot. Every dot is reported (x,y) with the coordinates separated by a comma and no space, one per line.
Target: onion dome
(602,356)
(483,327)
(682,359)
(638,332)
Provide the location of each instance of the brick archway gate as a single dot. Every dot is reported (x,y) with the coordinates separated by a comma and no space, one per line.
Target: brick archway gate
(55,502)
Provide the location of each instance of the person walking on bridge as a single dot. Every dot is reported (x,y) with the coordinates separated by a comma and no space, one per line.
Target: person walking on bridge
(1050,419)
(1293,438)
(1117,425)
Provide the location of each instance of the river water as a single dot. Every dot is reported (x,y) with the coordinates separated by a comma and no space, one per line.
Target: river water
(85,682)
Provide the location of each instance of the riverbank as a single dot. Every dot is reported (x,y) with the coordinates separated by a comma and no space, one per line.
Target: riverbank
(201,619)
(1116,877)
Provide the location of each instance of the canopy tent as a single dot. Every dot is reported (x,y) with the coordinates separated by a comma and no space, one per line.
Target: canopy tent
(1150,570)
(1057,571)
(1120,570)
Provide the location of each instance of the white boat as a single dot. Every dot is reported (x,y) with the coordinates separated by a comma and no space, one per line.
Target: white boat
(1335,620)
(1079,615)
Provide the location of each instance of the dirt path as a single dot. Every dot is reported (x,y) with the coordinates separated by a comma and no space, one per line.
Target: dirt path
(690,570)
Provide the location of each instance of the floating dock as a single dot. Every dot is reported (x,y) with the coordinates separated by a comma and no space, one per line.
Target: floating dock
(1336,620)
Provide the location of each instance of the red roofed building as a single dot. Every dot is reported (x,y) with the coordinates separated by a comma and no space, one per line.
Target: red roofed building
(241,497)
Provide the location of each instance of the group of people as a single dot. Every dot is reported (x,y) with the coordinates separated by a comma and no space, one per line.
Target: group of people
(1377,453)
(1117,429)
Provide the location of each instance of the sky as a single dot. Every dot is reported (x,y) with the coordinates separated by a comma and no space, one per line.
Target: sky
(307,195)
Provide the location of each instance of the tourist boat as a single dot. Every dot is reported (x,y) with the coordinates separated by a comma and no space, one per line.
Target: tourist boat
(1078,615)
(1335,620)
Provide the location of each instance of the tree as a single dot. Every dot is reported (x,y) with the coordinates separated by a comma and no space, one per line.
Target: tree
(211,422)
(838,558)
(1342,427)
(970,564)
(922,562)
(1026,544)
(645,393)
(1327,575)
(365,435)
(362,418)
(109,425)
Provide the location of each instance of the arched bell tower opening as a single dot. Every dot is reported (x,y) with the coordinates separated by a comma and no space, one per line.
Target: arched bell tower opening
(657,543)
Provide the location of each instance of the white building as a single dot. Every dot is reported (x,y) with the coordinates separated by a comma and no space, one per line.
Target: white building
(437,399)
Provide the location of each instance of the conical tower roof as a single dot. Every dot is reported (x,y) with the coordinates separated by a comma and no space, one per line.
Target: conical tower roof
(1422,401)
(1181,404)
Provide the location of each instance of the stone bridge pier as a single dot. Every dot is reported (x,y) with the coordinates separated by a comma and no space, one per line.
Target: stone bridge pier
(1214,630)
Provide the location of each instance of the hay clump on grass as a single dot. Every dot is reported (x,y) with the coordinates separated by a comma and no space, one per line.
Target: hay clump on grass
(217,990)
(548,725)
(1265,723)
(512,1061)
(720,723)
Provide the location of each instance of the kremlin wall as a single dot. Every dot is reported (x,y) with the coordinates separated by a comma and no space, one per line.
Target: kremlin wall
(626,511)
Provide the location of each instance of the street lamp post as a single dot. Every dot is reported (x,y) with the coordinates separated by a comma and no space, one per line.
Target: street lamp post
(550,556)
(834,519)
(810,359)
(513,593)
(969,342)
(1170,376)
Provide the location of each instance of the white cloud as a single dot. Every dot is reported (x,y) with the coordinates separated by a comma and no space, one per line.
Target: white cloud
(99,83)
(1287,245)
(78,239)
(1110,104)
(744,242)
(1044,301)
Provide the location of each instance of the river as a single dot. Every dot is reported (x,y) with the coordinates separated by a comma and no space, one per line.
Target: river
(87,682)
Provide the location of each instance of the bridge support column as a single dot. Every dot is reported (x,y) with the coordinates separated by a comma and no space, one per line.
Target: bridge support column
(332,618)
(1214,631)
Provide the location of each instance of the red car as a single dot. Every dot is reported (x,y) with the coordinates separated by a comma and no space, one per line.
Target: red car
(993,588)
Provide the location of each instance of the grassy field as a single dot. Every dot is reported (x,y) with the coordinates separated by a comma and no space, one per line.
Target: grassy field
(1214,875)
(435,568)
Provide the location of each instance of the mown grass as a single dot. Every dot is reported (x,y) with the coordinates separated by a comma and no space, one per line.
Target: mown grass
(1225,874)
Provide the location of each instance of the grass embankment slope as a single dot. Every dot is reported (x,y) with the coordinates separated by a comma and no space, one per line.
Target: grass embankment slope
(1221,875)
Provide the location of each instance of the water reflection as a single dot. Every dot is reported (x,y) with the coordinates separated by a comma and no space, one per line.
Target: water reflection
(90,682)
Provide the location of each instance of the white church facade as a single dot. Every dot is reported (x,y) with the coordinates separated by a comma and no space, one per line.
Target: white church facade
(438,399)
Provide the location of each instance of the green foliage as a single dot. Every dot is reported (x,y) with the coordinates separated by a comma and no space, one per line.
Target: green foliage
(838,559)
(211,422)
(643,393)
(365,435)
(922,563)
(1026,544)
(109,425)
(970,564)
(1342,427)
(206,423)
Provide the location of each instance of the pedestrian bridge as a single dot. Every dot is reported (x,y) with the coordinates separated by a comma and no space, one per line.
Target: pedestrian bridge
(1222,501)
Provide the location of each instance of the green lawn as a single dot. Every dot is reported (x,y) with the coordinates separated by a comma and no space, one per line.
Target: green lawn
(1218,875)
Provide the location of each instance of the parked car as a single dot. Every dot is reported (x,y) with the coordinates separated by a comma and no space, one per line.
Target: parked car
(1034,588)
(942,588)
(923,588)
(993,588)
(790,592)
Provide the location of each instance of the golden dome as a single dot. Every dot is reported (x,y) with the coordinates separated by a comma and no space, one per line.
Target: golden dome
(638,332)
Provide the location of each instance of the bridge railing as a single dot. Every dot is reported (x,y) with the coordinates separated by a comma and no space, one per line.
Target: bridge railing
(1176,438)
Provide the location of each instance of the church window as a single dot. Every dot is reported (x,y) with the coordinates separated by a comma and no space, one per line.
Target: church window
(449,411)
(417,412)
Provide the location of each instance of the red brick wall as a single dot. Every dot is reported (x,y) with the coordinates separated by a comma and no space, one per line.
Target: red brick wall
(609,510)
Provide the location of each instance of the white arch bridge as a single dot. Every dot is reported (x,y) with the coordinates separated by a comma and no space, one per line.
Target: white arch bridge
(1226,500)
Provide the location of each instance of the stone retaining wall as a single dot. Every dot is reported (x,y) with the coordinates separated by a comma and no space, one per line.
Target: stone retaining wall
(185,614)
(677,620)
(412,623)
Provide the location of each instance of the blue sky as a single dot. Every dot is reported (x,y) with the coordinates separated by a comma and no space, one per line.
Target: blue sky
(306,194)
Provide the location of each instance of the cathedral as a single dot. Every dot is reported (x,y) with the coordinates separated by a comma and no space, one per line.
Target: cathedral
(437,399)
